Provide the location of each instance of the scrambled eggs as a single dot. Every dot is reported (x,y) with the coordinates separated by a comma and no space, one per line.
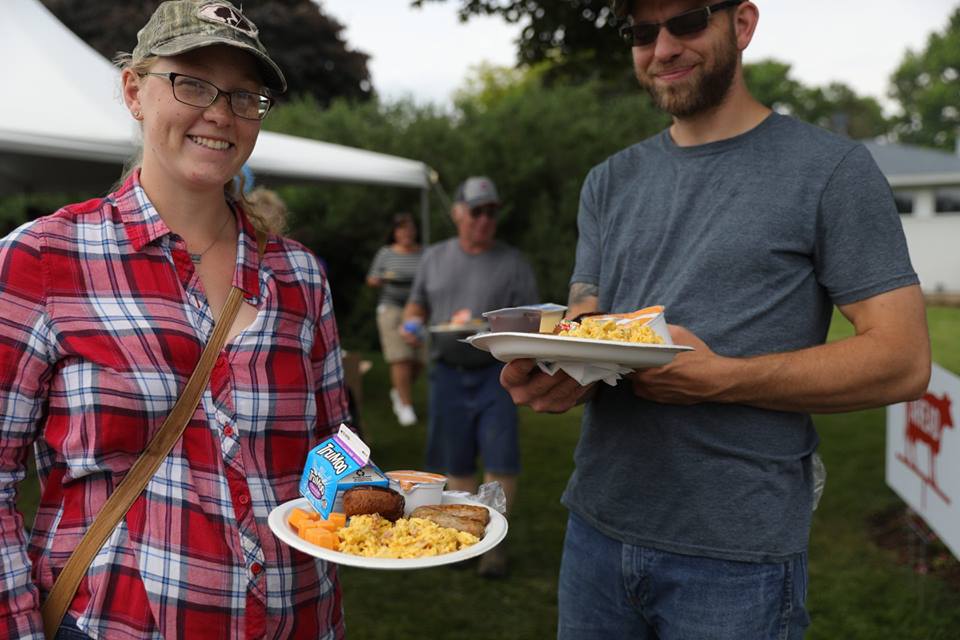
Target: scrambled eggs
(374,537)
(609,329)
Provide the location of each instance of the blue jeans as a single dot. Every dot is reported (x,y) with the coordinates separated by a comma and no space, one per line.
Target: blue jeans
(471,415)
(609,589)
(68,630)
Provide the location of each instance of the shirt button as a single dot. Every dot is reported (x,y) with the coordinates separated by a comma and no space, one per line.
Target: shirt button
(256,568)
(228,431)
(243,498)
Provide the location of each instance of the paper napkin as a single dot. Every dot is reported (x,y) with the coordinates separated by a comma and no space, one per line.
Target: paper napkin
(586,372)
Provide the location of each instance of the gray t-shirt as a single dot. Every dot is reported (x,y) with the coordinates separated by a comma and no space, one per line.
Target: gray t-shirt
(748,242)
(450,279)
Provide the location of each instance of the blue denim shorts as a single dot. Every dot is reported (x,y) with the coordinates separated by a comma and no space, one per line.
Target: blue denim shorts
(471,415)
(609,589)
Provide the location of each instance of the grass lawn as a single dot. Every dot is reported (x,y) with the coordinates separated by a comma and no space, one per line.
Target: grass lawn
(856,589)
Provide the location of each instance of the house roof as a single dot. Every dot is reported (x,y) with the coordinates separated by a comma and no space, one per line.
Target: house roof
(907,165)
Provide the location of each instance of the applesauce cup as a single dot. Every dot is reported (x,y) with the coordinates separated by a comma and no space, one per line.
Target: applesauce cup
(418,488)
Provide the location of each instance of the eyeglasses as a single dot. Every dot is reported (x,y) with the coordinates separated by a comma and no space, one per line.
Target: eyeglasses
(200,93)
(684,24)
(489,210)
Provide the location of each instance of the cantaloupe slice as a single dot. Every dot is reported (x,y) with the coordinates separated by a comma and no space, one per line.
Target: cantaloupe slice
(301,519)
(321,537)
(334,521)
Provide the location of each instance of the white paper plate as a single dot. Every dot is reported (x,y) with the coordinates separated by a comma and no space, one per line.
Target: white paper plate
(496,532)
(507,346)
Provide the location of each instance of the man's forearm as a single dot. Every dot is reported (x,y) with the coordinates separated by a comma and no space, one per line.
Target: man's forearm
(583,298)
(847,375)
(887,361)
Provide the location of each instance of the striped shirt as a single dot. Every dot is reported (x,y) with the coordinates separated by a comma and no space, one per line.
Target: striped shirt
(397,271)
(103,321)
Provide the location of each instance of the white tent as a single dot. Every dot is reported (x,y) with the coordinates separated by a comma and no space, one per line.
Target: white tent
(64,126)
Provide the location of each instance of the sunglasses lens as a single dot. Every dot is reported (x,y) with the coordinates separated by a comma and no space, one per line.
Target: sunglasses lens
(489,211)
(640,35)
(690,22)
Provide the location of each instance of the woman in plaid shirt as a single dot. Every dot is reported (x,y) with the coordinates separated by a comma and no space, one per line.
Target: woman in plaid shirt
(107,305)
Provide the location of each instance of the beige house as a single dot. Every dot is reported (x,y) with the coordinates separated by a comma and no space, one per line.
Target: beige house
(926,185)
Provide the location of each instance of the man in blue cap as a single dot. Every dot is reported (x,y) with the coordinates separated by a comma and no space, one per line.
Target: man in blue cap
(471,415)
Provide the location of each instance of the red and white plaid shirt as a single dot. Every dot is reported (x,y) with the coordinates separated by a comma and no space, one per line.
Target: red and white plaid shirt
(102,320)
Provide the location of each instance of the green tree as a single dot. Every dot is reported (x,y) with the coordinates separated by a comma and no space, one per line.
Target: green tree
(537,141)
(836,107)
(307,44)
(769,81)
(927,86)
(344,223)
(579,37)
(576,41)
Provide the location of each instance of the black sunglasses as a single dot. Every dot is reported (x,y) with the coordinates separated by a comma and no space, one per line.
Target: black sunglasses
(684,24)
(489,210)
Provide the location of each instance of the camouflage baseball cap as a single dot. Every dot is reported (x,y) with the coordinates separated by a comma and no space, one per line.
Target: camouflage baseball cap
(178,26)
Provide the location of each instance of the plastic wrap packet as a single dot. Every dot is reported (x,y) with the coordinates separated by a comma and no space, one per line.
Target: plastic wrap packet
(490,494)
(819,478)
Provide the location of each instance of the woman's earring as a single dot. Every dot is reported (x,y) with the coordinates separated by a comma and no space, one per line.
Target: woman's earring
(137,115)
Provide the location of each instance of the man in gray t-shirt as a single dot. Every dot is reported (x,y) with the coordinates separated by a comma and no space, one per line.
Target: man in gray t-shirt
(692,493)
(470,414)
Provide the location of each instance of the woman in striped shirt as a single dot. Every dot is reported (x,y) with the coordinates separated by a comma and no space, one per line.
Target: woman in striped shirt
(393,270)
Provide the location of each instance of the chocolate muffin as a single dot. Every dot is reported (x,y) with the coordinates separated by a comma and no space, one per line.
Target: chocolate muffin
(360,501)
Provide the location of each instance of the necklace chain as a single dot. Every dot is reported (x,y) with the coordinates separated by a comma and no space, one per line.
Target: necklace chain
(196,257)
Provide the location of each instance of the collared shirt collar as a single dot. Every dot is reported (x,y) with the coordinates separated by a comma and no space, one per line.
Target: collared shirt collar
(144,226)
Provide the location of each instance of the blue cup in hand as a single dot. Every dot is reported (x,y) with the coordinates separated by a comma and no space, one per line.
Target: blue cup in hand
(414,327)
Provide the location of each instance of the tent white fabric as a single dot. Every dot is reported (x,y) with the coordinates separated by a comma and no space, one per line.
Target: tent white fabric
(64,126)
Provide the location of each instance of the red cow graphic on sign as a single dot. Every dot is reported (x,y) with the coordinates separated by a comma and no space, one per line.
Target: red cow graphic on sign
(926,420)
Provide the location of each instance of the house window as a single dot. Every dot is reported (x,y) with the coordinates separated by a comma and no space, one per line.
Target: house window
(948,200)
(904,200)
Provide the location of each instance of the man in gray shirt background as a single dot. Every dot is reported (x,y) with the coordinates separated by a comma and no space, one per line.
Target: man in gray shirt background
(471,415)
(691,496)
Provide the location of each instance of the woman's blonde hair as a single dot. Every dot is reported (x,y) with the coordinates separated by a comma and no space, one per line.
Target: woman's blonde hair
(266,210)
(274,221)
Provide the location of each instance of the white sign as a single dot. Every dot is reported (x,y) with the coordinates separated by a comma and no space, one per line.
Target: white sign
(923,455)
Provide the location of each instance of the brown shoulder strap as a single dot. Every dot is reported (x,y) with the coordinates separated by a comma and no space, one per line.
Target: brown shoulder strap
(120,501)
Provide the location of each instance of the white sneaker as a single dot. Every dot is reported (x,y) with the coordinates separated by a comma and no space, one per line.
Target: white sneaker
(395,400)
(406,416)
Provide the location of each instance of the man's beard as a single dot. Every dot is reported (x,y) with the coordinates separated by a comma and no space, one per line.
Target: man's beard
(704,92)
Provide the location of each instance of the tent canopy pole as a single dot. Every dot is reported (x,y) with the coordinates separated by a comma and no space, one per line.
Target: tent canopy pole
(425,216)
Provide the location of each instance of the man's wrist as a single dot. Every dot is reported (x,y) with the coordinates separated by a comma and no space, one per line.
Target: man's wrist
(588,395)
(735,377)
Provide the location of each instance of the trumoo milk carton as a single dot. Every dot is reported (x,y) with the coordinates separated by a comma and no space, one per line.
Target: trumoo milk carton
(328,465)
